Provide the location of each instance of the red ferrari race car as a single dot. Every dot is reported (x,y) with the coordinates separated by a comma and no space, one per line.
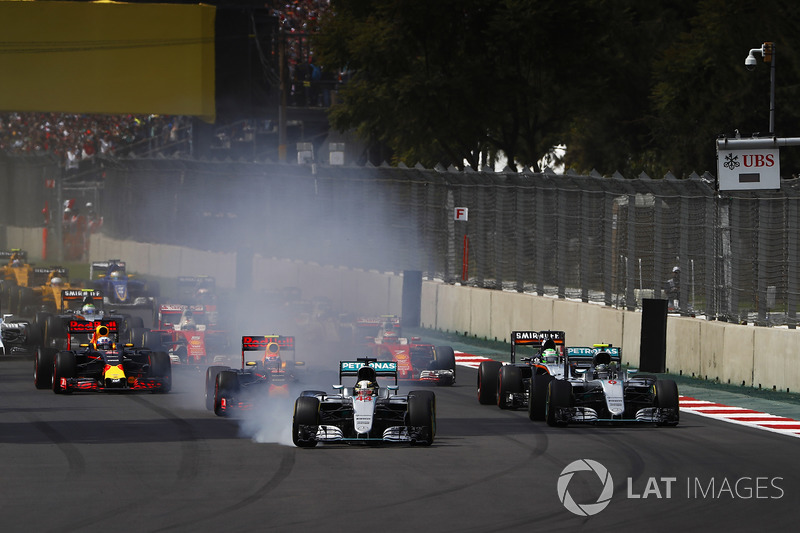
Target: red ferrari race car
(264,373)
(416,361)
(184,332)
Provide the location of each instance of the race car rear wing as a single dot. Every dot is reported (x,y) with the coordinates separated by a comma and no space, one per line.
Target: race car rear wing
(70,296)
(583,356)
(383,369)
(6,255)
(189,285)
(41,275)
(77,327)
(536,339)
(101,267)
(263,343)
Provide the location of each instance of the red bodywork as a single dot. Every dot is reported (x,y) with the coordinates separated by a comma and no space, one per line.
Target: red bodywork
(192,345)
(413,357)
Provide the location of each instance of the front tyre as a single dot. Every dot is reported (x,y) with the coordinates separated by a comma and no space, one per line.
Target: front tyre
(161,368)
(537,396)
(421,414)
(667,398)
(446,360)
(559,398)
(43,368)
(211,381)
(64,367)
(226,388)
(306,413)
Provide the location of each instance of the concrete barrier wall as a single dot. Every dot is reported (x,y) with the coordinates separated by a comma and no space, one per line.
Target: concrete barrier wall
(732,353)
(28,239)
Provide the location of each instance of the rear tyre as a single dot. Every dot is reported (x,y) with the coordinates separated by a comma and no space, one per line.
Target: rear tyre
(211,383)
(43,368)
(487,381)
(152,340)
(667,398)
(559,396)
(136,336)
(446,360)
(227,387)
(54,330)
(537,397)
(306,413)
(509,381)
(63,367)
(161,368)
(27,300)
(421,413)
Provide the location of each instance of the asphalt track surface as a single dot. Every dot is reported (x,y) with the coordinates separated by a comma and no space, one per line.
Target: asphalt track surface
(162,463)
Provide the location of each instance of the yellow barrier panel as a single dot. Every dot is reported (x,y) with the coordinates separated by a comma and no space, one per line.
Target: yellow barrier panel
(107,58)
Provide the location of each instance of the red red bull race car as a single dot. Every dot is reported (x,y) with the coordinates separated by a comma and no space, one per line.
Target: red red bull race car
(100,363)
(264,373)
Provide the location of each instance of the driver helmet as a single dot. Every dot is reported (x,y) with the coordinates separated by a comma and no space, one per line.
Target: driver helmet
(88,310)
(104,343)
(272,357)
(115,274)
(550,355)
(365,386)
(55,281)
(187,319)
(16,262)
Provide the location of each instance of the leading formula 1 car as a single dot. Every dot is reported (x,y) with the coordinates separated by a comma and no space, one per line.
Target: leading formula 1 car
(365,413)
(101,364)
(508,386)
(264,373)
(604,391)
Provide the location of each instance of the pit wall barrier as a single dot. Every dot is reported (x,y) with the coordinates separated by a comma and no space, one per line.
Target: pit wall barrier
(730,353)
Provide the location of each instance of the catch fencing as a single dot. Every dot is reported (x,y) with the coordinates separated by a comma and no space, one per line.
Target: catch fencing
(608,240)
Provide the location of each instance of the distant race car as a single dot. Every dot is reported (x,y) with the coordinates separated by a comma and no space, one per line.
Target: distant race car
(264,373)
(416,361)
(605,392)
(508,386)
(16,337)
(365,413)
(101,363)
(51,330)
(186,334)
(118,287)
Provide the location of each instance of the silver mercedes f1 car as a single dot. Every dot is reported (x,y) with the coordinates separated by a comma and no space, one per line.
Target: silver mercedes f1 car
(365,413)
(604,391)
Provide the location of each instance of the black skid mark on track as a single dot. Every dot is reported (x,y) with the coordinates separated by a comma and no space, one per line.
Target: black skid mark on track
(190,449)
(75,459)
(284,469)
